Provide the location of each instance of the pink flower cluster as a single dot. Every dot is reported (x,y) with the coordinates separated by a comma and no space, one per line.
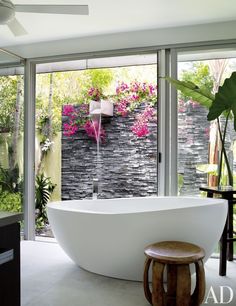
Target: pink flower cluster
(78,118)
(122,107)
(121,88)
(140,127)
(68,110)
(128,98)
(94,94)
(70,129)
(130,95)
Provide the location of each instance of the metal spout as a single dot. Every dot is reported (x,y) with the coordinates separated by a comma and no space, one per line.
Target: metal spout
(95,189)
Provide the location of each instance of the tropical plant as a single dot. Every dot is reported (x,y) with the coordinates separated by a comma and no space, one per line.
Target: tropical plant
(43,191)
(10,179)
(223,102)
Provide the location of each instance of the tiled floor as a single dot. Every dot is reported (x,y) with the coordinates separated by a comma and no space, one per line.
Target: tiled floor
(50,278)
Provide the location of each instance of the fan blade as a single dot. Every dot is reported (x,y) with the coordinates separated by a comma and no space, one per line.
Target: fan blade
(53,9)
(16,28)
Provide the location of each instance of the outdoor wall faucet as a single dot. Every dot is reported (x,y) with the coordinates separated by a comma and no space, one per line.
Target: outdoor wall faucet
(95,189)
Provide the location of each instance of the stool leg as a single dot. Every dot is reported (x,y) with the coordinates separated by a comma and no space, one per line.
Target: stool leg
(146,288)
(183,290)
(223,252)
(171,285)
(158,292)
(199,291)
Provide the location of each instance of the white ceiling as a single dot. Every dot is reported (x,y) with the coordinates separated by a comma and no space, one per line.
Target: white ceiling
(112,16)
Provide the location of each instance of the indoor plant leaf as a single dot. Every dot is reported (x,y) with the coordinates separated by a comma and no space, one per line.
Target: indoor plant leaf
(201,95)
(225,99)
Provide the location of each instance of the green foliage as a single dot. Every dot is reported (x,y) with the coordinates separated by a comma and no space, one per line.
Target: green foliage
(43,190)
(100,78)
(201,95)
(8,93)
(10,201)
(180,182)
(10,180)
(199,74)
(7,102)
(68,88)
(225,99)
(43,126)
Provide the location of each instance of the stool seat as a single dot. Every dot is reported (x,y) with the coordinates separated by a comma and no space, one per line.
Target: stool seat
(174,252)
(175,258)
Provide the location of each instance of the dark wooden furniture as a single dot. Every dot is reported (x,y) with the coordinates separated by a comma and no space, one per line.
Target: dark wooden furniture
(176,256)
(10,259)
(227,239)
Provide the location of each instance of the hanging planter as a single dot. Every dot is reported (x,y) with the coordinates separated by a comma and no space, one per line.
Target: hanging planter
(103,107)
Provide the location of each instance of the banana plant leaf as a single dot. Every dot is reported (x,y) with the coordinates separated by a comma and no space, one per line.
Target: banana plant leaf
(201,95)
(225,99)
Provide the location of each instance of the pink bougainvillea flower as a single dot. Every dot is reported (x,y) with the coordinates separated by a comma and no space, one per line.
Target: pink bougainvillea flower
(148,113)
(152,89)
(121,88)
(70,129)
(68,110)
(84,109)
(94,94)
(121,107)
(135,87)
(135,97)
(194,104)
(140,128)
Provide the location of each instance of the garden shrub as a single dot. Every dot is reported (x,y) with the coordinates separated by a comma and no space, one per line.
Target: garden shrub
(10,201)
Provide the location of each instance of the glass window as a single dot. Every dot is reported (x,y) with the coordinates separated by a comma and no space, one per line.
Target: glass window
(96,130)
(11,138)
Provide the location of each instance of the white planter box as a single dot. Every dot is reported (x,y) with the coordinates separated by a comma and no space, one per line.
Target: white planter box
(103,107)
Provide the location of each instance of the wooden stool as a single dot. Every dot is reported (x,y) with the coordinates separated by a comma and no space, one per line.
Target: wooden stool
(176,256)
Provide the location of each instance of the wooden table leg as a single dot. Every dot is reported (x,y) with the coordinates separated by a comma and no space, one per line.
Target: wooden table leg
(223,252)
(230,245)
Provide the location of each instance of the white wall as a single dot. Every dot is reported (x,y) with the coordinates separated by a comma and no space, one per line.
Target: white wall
(146,38)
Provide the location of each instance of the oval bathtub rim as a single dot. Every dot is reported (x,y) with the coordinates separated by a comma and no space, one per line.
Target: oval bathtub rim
(208,202)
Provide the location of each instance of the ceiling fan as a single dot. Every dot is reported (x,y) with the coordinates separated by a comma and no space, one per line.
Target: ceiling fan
(8,10)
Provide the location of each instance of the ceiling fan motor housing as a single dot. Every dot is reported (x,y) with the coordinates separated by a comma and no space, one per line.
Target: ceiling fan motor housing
(7,11)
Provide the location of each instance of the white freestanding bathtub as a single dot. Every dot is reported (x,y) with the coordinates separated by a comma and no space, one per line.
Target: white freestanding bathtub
(108,237)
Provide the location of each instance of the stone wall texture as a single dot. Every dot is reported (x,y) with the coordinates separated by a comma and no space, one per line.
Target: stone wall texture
(125,167)
(193,142)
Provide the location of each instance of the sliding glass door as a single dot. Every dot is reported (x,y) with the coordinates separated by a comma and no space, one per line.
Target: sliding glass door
(198,138)
(96,130)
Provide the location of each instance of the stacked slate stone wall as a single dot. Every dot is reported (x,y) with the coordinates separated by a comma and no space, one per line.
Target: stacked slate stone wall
(127,164)
(193,142)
